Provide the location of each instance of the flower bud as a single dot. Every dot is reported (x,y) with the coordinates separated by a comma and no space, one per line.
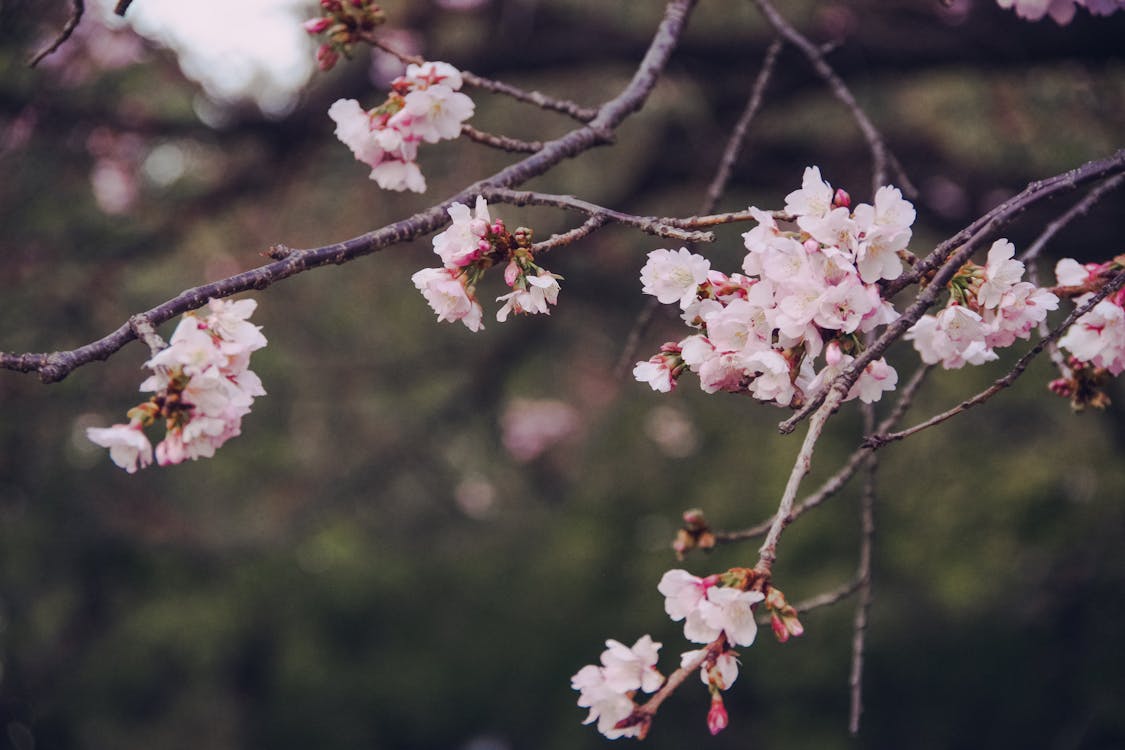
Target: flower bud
(316,25)
(779,630)
(832,354)
(841,199)
(717,719)
(1062,387)
(498,227)
(479,227)
(512,273)
(326,57)
(811,246)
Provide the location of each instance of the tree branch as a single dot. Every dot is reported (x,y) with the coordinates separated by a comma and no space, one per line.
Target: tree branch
(54,366)
(67,29)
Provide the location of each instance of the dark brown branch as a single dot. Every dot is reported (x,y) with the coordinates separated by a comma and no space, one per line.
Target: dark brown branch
(67,29)
(950,258)
(55,366)
(122,7)
(1018,369)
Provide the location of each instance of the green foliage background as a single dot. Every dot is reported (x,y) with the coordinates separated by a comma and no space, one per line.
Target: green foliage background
(318,585)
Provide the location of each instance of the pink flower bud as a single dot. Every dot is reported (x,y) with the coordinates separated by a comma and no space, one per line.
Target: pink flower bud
(316,25)
(326,57)
(717,719)
(793,625)
(841,199)
(511,274)
(811,246)
(331,5)
(832,354)
(498,227)
(479,227)
(1061,387)
(779,630)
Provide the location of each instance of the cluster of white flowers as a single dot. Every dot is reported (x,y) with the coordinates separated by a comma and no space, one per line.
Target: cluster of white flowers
(607,690)
(472,244)
(1062,11)
(710,607)
(202,388)
(424,105)
(1098,337)
(988,307)
(804,292)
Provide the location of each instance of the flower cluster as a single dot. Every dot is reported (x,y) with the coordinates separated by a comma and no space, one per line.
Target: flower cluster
(424,105)
(989,306)
(1061,11)
(470,246)
(202,387)
(1096,341)
(805,290)
(608,690)
(345,23)
(718,611)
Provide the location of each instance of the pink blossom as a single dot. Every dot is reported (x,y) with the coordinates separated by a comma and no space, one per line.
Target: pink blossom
(399,175)
(444,289)
(815,197)
(464,241)
(877,378)
(717,719)
(632,668)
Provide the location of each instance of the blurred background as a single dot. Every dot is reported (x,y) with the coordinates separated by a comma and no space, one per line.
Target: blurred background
(423,533)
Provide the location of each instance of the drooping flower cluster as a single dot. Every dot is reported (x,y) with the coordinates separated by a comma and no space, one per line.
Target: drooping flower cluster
(470,246)
(608,690)
(345,24)
(989,307)
(805,290)
(425,104)
(202,387)
(1061,11)
(718,611)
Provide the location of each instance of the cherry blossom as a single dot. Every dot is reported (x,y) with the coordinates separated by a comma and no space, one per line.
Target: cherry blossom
(674,275)
(128,446)
(446,291)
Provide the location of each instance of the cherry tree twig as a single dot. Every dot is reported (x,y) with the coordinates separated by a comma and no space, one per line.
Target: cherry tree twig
(576,111)
(1114,284)
(502,142)
(1079,209)
(122,7)
(949,259)
(649,224)
(595,222)
(54,366)
(863,577)
(847,470)
(67,29)
(881,156)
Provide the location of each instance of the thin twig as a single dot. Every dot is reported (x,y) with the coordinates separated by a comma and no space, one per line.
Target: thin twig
(502,142)
(738,136)
(1081,208)
(828,598)
(649,224)
(1001,383)
(122,6)
(880,154)
(863,576)
(67,29)
(839,480)
(558,240)
(576,111)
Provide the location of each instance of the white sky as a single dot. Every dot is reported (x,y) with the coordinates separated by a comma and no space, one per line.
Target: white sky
(234,48)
